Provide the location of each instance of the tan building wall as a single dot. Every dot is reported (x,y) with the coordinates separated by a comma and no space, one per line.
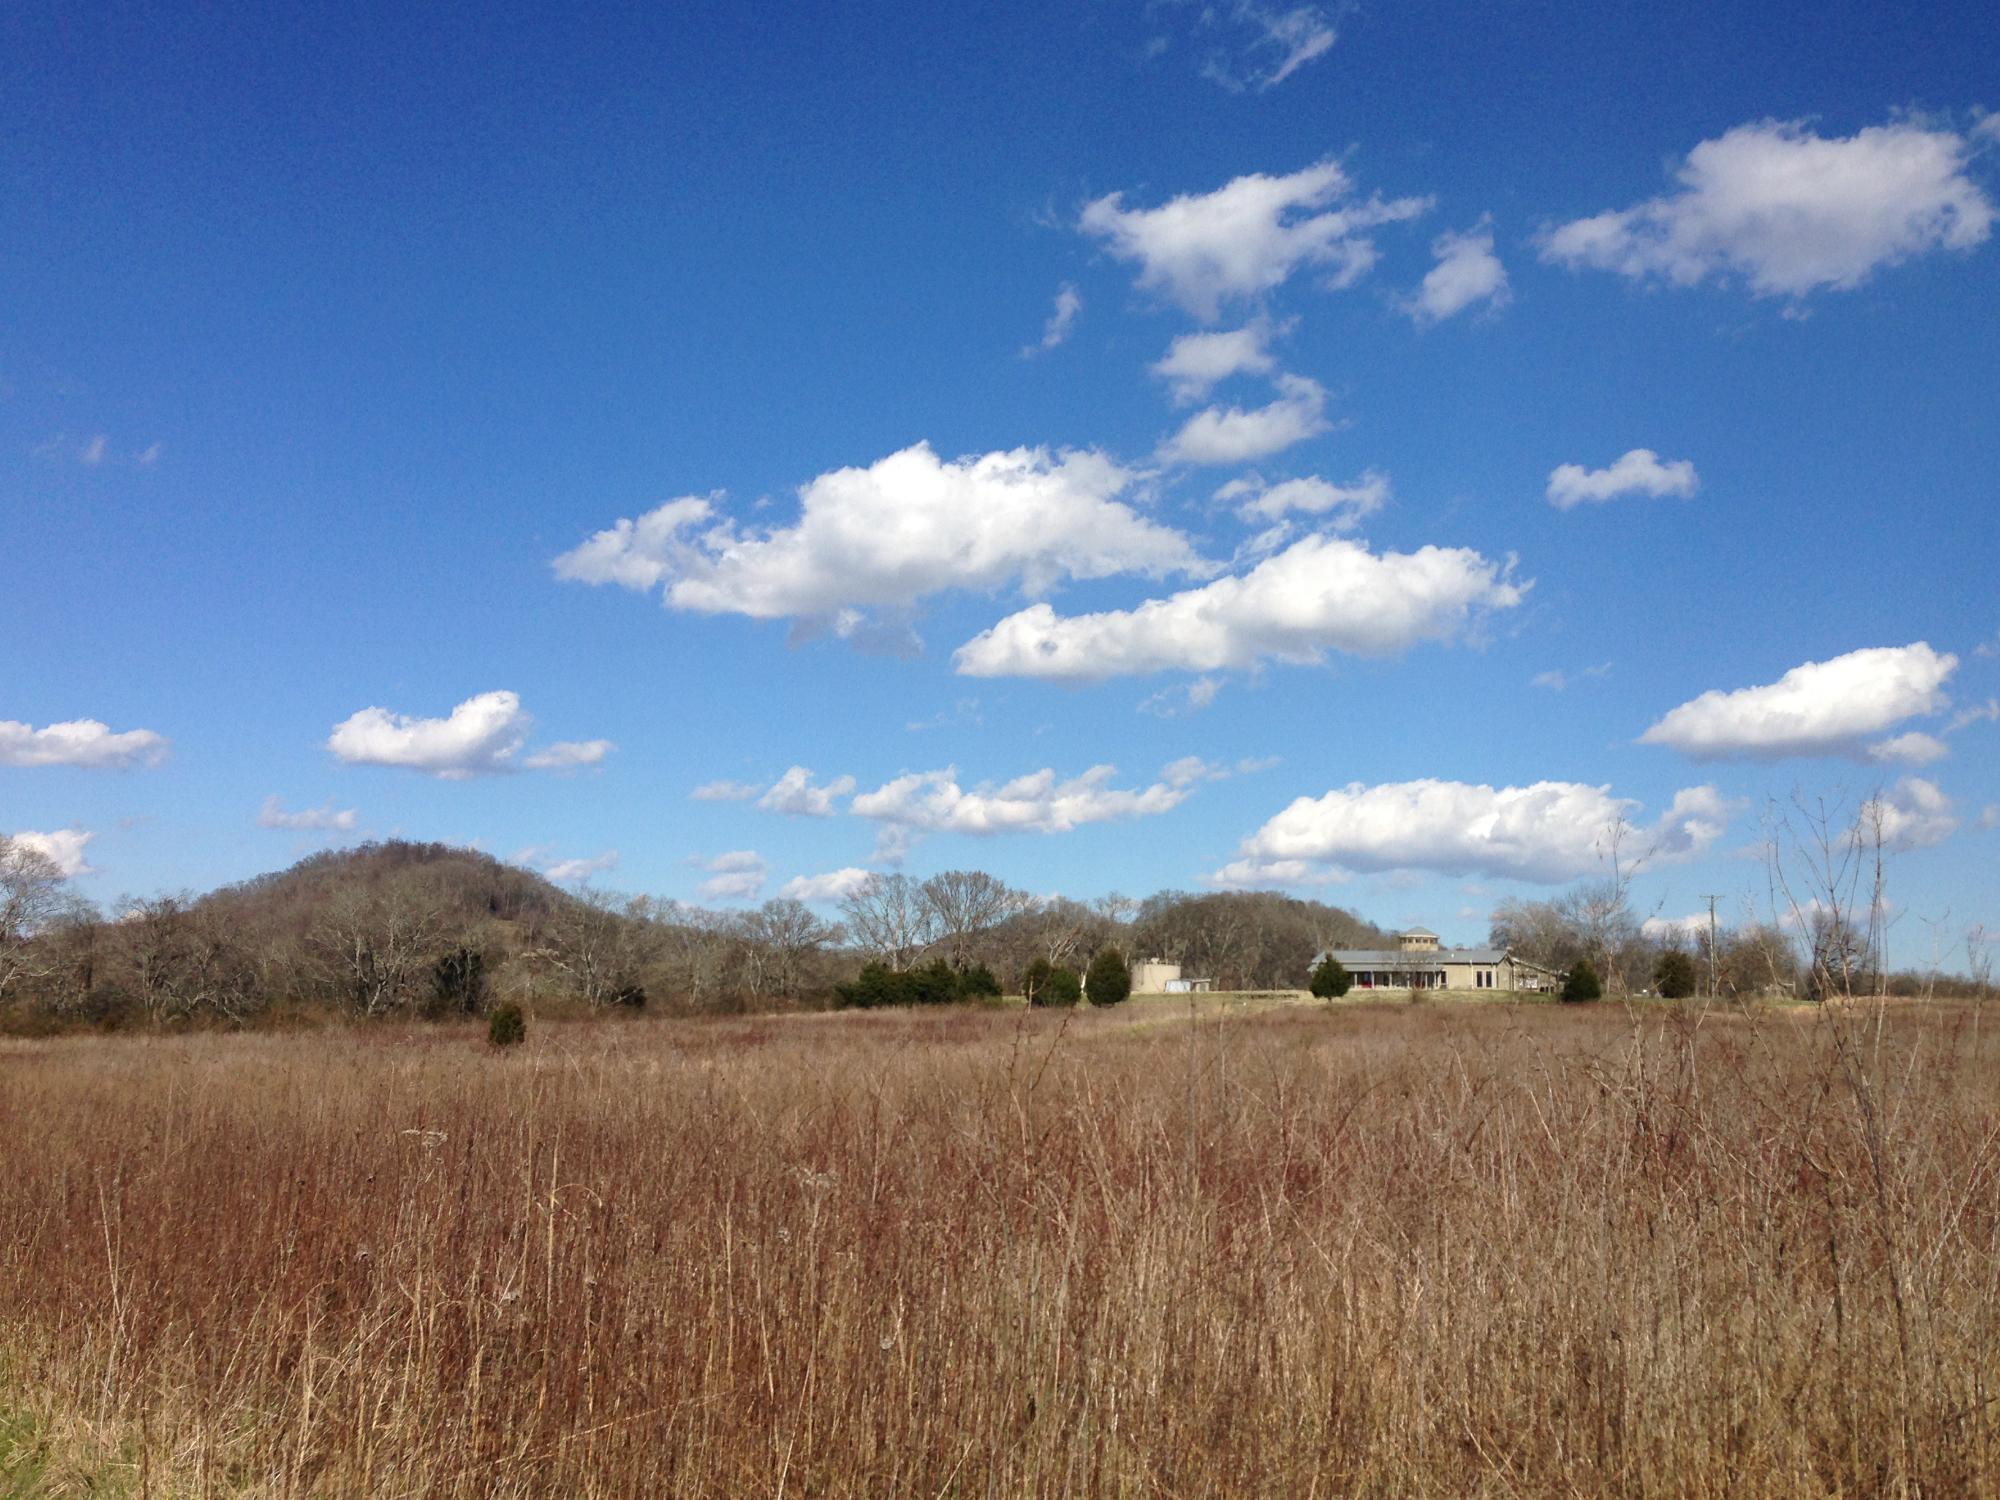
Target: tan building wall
(1150,976)
(1508,974)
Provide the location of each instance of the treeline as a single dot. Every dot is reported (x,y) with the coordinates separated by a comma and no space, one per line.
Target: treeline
(1824,951)
(414,930)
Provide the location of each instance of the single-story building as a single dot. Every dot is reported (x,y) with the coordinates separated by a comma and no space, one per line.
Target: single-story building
(1155,976)
(1419,963)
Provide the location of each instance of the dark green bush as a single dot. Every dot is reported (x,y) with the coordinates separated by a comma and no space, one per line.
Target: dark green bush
(1674,975)
(1062,988)
(1109,979)
(506,1026)
(1582,983)
(875,985)
(458,982)
(936,983)
(1035,980)
(1331,980)
(979,983)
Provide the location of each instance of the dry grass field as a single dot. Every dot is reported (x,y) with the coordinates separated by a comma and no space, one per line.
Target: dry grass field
(1371,1250)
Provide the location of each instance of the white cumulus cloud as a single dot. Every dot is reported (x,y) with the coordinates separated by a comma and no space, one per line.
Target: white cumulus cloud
(1195,363)
(1341,506)
(834,885)
(1320,594)
(1913,749)
(64,848)
(1040,802)
(566,871)
(1790,212)
(795,795)
(1821,708)
(79,742)
(736,876)
(1549,832)
(1694,925)
(323,819)
(1467,272)
(890,535)
(1639,472)
(1913,814)
(1232,435)
(1247,237)
(480,737)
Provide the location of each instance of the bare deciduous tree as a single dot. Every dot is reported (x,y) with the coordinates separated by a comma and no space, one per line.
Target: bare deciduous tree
(1063,928)
(31,895)
(184,961)
(1818,862)
(782,937)
(597,942)
(377,945)
(966,903)
(695,945)
(889,918)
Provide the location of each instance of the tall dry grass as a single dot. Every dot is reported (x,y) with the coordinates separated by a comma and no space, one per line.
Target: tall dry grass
(1371,1251)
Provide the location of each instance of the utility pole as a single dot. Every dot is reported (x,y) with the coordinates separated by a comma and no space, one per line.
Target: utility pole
(1714,975)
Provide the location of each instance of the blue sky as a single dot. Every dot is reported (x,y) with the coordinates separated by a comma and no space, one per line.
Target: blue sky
(1372,432)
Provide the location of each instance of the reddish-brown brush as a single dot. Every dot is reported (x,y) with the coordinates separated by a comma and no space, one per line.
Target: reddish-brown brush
(1367,1251)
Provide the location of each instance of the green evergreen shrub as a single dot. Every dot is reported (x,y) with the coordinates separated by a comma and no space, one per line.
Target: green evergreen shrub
(1109,978)
(506,1026)
(1035,981)
(1582,984)
(1063,988)
(1674,975)
(1331,980)
(979,983)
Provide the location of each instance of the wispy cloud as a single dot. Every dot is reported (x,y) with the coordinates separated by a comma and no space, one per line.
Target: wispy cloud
(1639,472)
(323,819)
(726,791)
(1055,332)
(1275,43)
(1040,802)
(1556,680)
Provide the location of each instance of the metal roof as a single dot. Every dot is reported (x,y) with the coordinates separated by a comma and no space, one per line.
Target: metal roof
(1390,958)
